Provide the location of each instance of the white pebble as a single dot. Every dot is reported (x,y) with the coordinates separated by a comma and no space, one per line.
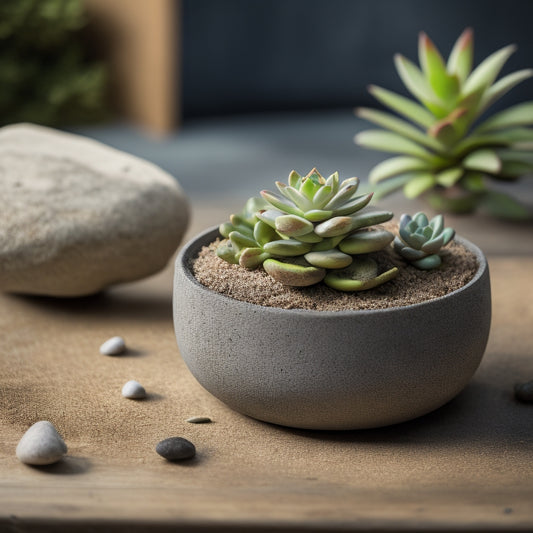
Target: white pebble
(133,390)
(41,445)
(113,346)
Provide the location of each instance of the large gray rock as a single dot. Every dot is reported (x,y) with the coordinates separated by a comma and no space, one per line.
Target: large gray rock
(78,216)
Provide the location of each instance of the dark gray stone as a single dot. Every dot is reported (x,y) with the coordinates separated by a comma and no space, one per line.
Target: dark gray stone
(176,449)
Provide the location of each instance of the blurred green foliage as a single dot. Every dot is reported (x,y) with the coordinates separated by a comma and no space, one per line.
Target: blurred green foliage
(46,76)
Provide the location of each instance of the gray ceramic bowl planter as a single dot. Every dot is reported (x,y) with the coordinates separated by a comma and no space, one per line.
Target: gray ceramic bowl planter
(330,369)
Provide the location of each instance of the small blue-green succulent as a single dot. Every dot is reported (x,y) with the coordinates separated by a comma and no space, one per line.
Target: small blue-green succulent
(313,229)
(420,240)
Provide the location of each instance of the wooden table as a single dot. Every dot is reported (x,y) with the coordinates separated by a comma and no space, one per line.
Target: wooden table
(467,466)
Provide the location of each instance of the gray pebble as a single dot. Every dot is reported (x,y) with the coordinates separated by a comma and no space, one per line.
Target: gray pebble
(176,449)
(113,346)
(199,420)
(41,445)
(133,390)
(524,392)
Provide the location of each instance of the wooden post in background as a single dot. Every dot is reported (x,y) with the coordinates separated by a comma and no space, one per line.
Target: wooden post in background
(140,41)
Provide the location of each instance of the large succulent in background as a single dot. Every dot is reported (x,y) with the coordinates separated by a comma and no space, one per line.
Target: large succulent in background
(313,229)
(420,240)
(445,151)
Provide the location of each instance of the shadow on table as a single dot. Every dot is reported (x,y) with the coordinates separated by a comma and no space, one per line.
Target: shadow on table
(482,413)
(136,306)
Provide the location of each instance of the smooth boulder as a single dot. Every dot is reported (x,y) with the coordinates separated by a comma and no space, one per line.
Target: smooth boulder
(78,216)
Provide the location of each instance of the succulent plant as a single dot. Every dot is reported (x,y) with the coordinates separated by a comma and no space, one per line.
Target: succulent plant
(420,240)
(446,152)
(308,232)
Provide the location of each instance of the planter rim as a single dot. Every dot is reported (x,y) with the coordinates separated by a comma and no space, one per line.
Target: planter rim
(194,245)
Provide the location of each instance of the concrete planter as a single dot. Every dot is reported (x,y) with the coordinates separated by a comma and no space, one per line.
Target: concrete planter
(330,370)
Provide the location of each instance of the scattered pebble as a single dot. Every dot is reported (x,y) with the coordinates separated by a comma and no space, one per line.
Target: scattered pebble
(524,391)
(176,449)
(199,420)
(133,390)
(113,346)
(41,445)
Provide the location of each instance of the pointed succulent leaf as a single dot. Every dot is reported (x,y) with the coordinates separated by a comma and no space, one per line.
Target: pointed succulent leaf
(397,125)
(269,216)
(428,263)
(502,87)
(449,177)
(318,215)
(295,179)
(328,259)
(360,275)
(402,105)
(512,137)
(417,85)
(517,115)
(281,202)
(461,56)
(264,233)
(483,160)
(322,196)
(444,84)
(333,182)
(346,191)
(486,72)
(294,273)
(303,204)
(287,247)
(353,205)
(309,189)
(242,241)
(293,225)
(387,141)
(251,258)
(419,183)
(366,241)
(396,165)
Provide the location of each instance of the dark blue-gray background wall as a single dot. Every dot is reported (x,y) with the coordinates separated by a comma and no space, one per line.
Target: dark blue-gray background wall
(262,55)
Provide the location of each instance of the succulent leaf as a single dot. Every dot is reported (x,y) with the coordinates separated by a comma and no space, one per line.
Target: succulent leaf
(360,275)
(484,160)
(517,115)
(251,258)
(295,179)
(461,56)
(281,202)
(328,259)
(365,241)
(293,226)
(420,182)
(287,247)
(264,233)
(486,72)
(394,166)
(294,274)
(387,141)
(402,105)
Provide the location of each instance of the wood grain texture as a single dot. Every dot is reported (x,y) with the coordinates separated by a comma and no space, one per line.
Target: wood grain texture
(467,466)
(141,42)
